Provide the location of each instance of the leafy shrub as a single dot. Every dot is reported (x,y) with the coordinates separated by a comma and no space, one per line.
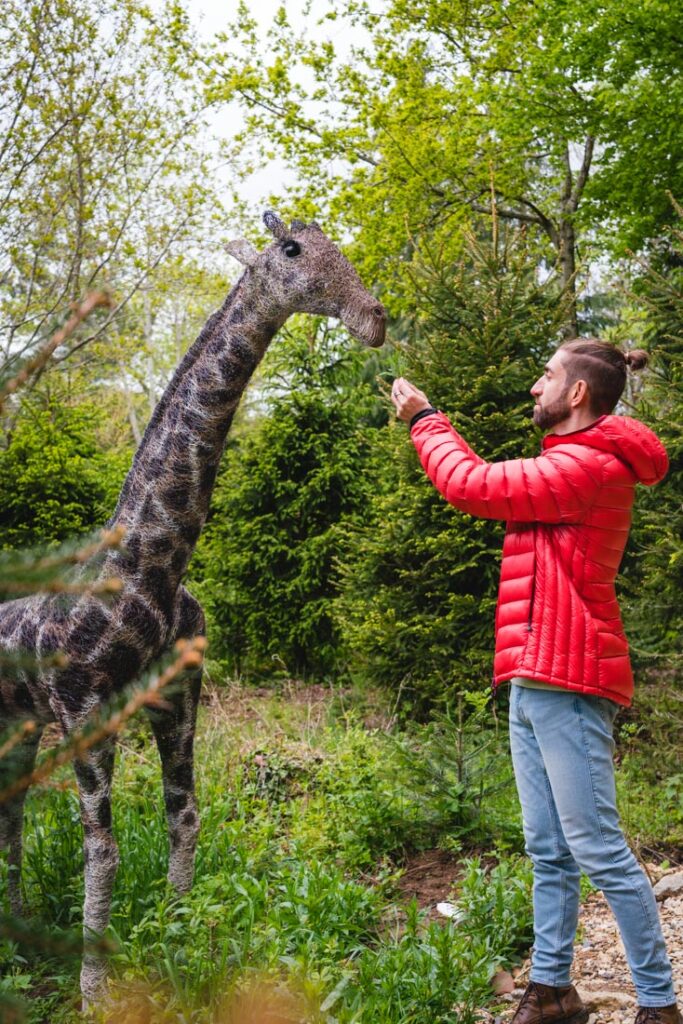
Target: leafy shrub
(54,479)
(277,893)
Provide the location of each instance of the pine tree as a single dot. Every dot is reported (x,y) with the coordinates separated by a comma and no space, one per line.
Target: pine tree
(652,574)
(56,481)
(419,589)
(266,567)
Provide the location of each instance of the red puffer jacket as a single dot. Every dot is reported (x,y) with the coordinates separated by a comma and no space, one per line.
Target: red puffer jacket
(568,513)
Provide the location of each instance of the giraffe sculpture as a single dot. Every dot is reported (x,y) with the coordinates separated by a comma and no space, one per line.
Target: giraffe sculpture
(162,506)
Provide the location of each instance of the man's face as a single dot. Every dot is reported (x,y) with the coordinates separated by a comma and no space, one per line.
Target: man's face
(550,391)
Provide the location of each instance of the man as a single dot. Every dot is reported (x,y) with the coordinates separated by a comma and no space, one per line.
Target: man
(561,645)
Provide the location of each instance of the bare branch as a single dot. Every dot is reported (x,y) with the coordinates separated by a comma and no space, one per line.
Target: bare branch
(115,309)
(568,180)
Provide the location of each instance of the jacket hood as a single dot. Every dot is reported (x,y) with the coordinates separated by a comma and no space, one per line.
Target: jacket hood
(627,438)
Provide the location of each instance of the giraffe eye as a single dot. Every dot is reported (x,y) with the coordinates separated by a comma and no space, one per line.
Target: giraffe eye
(291,248)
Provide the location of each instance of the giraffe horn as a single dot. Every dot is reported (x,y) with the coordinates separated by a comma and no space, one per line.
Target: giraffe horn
(276,227)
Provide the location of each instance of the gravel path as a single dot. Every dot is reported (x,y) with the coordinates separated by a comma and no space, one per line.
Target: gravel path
(600,971)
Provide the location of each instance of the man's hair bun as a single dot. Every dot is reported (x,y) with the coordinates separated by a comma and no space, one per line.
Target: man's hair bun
(636,359)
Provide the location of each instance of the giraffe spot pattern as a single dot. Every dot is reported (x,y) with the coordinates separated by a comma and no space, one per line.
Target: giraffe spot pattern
(140,620)
(104,813)
(157,586)
(176,802)
(119,660)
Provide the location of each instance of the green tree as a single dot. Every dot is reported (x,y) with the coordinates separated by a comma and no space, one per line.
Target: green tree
(420,582)
(449,103)
(653,571)
(101,173)
(55,480)
(267,565)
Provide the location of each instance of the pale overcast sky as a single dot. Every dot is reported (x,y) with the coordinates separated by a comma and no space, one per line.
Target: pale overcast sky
(212,16)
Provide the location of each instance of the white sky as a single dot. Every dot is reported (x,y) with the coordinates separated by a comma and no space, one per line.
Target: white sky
(212,16)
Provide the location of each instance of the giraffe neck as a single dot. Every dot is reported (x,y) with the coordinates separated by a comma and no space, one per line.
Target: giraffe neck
(165,498)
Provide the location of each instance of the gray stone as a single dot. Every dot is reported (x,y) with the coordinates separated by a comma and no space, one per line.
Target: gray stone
(669,885)
(596,999)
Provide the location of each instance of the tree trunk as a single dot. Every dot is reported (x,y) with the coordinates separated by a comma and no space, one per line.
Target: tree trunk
(567,261)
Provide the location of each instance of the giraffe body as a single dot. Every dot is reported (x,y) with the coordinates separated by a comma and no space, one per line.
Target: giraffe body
(163,505)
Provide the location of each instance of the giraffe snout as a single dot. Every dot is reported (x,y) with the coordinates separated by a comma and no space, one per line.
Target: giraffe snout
(367,321)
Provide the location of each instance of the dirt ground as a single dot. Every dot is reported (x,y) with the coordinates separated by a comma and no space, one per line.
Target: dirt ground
(600,973)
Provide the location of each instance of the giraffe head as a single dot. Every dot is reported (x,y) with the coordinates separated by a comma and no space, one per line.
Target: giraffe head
(304,272)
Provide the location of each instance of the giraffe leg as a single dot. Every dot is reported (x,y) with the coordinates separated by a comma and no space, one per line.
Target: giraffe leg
(19,762)
(174,729)
(94,775)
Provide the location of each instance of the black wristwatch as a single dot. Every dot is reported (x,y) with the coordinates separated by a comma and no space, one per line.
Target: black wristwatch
(421,414)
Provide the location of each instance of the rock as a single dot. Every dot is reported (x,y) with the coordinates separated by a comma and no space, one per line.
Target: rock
(502,983)
(669,885)
(599,999)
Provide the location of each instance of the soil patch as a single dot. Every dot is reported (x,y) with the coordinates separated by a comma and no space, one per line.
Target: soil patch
(430,878)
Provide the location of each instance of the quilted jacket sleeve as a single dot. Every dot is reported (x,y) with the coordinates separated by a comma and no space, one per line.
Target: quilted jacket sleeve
(557,487)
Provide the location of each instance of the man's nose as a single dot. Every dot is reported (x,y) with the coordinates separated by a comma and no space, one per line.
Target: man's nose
(537,389)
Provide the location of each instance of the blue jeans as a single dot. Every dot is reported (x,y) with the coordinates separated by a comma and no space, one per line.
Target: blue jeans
(562,751)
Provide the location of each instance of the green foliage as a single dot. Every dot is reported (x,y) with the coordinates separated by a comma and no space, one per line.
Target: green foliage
(447,102)
(460,772)
(650,789)
(653,571)
(496,905)
(101,175)
(267,561)
(420,579)
(55,479)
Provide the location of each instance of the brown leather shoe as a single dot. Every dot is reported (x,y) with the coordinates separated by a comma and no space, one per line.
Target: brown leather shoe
(543,1004)
(659,1015)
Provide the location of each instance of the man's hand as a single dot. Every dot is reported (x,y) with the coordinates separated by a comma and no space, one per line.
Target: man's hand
(408,399)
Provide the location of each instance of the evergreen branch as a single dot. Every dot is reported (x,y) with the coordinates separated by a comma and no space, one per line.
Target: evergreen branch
(24,730)
(113,585)
(16,660)
(109,539)
(23,573)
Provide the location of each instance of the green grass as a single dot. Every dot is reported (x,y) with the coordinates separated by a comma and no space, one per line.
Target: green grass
(309,810)
(307,817)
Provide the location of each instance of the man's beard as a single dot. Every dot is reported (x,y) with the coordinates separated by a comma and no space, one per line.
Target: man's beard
(550,415)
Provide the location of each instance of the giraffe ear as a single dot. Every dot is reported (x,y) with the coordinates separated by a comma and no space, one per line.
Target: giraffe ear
(243,251)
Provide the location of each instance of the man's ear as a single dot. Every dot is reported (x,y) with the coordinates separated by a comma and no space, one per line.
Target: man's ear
(243,251)
(580,389)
